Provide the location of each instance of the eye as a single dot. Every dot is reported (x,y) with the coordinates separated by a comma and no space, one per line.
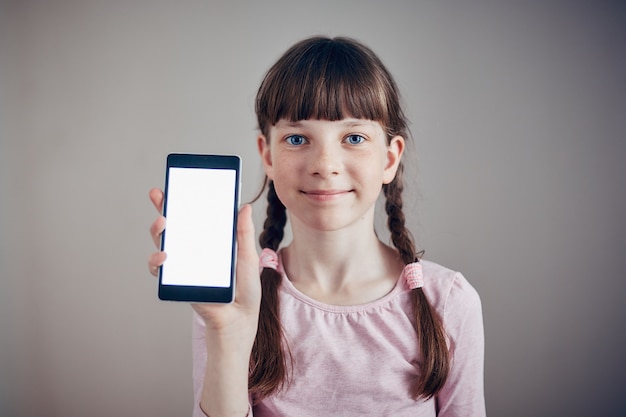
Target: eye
(354,139)
(296,140)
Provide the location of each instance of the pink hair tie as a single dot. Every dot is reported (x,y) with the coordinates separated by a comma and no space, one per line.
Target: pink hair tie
(413,275)
(268,259)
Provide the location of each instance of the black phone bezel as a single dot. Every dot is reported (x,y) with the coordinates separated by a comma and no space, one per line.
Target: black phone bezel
(201,294)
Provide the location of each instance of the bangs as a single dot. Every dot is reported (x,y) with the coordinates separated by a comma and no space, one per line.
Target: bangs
(327,79)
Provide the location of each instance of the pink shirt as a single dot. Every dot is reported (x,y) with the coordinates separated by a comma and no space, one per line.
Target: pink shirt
(359,360)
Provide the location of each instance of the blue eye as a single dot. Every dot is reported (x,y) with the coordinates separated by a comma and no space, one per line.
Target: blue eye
(355,139)
(295,140)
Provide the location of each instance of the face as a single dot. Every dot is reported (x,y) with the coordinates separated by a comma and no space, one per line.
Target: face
(329,173)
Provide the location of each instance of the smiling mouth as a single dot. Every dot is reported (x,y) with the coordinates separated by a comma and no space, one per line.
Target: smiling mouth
(325,195)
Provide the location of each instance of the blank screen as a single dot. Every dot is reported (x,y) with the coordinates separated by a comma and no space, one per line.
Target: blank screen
(199,227)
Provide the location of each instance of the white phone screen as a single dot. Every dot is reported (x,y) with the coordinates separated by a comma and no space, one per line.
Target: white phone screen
(199,227)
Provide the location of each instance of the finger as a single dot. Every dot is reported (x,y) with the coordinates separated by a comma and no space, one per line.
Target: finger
(249,287)
(156,196)
(156,229)
(155,261)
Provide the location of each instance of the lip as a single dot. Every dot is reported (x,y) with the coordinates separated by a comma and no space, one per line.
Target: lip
(325,195)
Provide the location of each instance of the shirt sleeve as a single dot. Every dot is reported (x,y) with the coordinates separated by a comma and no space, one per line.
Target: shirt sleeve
(199,357)
(463,393)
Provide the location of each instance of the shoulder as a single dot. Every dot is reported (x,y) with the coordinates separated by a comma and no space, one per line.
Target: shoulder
(459,307)
(449,291)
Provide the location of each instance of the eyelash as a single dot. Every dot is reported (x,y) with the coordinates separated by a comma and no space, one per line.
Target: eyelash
(290,139)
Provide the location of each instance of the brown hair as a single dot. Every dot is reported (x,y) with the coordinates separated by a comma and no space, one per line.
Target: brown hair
(331,79)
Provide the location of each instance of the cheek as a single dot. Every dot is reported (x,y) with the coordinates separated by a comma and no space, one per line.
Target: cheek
(378,166)
(283,171)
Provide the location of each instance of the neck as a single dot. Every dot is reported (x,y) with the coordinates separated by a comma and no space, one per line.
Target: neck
(330,265)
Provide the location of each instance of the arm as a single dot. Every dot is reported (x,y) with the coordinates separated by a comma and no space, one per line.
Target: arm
(463,393)
(206,374)
(223,334)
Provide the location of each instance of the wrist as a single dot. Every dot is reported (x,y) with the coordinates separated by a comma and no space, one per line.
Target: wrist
(235,339)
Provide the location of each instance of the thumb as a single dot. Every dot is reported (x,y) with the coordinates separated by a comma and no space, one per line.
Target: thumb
(248,290)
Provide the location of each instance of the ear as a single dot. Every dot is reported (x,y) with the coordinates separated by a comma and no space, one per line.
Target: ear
(266,156)
(394,155)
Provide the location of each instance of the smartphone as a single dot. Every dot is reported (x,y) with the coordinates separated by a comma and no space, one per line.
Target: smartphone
(200,207)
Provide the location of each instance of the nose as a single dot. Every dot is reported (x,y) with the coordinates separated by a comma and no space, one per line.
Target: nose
(325,161)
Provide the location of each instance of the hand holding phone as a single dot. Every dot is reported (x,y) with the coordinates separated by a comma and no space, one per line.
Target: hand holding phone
(200,206)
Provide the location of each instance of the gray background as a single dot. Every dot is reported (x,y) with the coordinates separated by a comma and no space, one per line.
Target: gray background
(518,181)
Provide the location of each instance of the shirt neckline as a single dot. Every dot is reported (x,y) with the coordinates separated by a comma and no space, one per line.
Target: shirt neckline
(288,286)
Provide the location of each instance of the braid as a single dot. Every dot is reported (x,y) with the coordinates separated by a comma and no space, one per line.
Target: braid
(400,235)
(430,331)
(274,226)
(268,362)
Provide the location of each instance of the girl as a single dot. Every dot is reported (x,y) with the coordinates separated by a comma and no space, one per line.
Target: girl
(339,323)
